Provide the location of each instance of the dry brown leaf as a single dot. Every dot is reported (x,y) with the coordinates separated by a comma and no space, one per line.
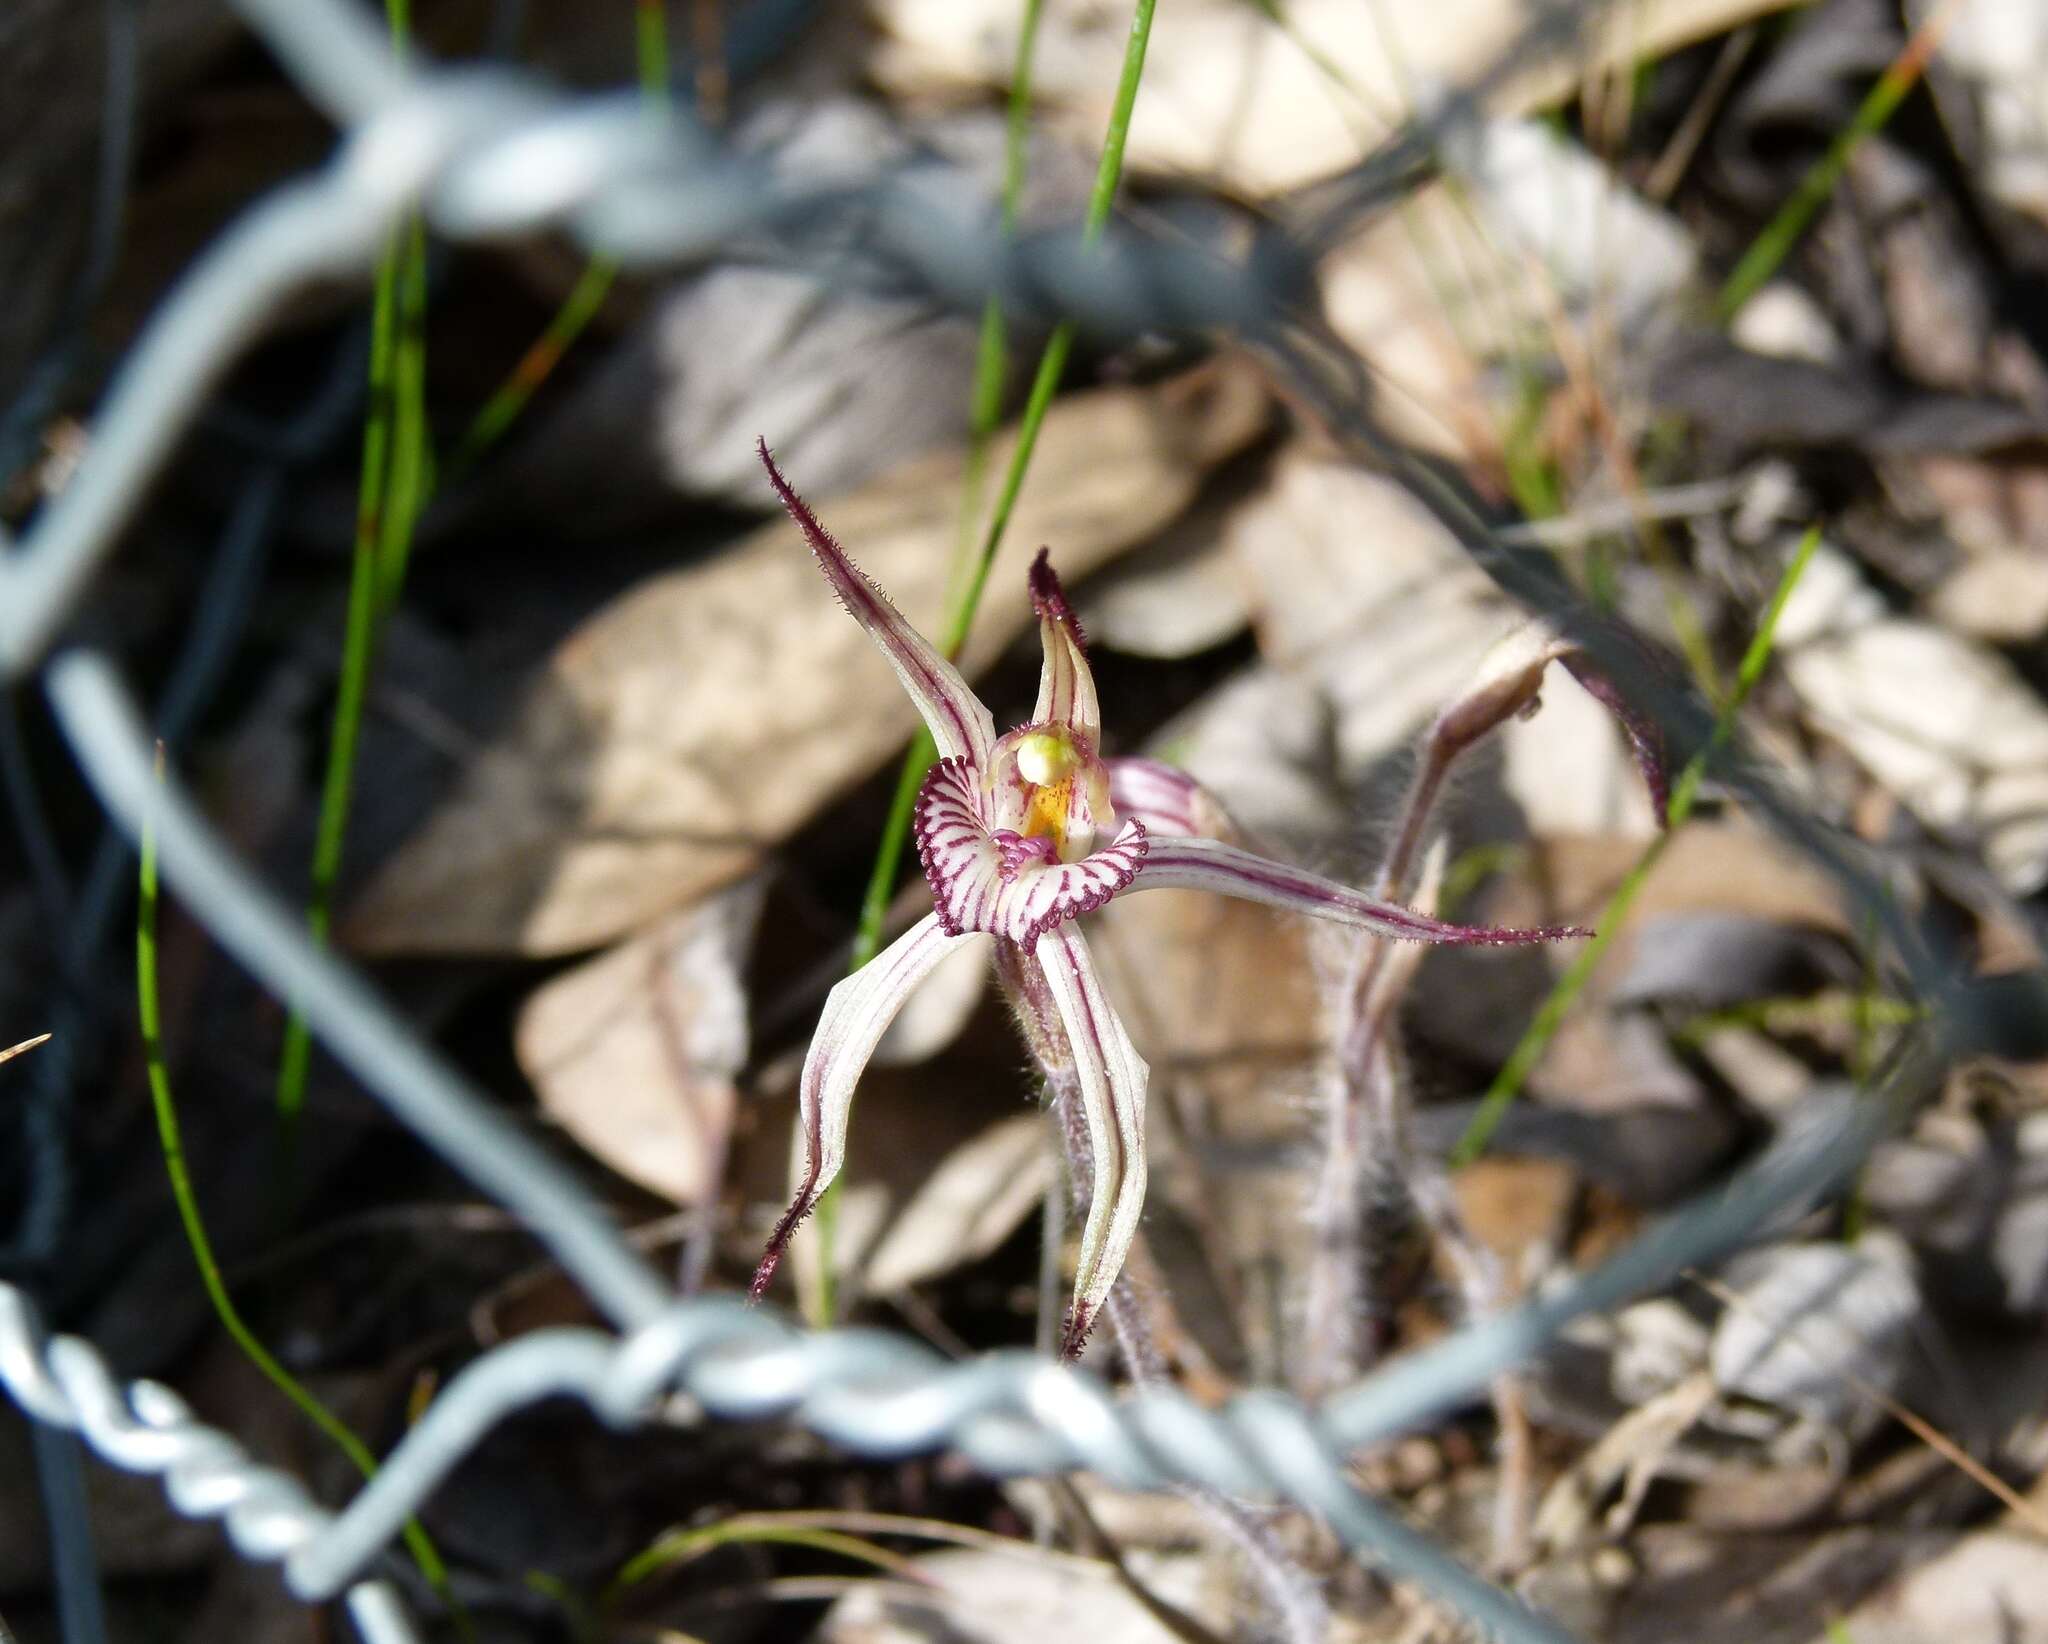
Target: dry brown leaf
(1725,866)
(1989,1588)
(1535,241)
(1946,726)
(978,1196)
(1221,997)
(634,1053)
(692,724)
(982,1596)
(1357,587)
(1234,98)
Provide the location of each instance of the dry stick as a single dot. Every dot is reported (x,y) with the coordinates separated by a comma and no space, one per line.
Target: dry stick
(1370,1126)
(13,1051)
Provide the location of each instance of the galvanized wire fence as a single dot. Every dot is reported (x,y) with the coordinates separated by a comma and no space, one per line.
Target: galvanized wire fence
(487,154)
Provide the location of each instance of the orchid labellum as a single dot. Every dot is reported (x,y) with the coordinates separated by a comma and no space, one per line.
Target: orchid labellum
(1019,835)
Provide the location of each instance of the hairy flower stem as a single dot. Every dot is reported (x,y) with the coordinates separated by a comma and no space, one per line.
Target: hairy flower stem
(1372,1178)
(1297,1606)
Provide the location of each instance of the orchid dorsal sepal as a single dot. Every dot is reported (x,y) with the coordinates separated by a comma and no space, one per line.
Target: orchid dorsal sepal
(960,725)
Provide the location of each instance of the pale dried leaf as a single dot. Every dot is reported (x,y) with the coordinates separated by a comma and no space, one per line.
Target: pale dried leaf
(690,726)
(1260,743)
(1813,1320)
(1946,726)
(2001,596)
(975,1200)
(2000,48)
(1786,323)
(1181,595)
(1230,98)
(1358,588)
(634,1053)
(1989,1588)
(989,1597)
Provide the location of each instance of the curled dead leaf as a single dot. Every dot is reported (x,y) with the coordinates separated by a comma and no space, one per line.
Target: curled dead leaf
(634,1053)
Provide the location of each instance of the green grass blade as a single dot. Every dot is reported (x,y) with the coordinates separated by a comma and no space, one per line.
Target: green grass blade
(587,297)
(394,479)
(504,407)
(681,1546)
(149,1009)
(366,592)
(1535,1040)
(1774,244)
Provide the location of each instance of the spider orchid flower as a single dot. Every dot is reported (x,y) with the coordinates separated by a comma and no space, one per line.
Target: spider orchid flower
(1019,835)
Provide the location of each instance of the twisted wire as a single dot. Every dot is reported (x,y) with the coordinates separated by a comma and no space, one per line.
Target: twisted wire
(147,1428)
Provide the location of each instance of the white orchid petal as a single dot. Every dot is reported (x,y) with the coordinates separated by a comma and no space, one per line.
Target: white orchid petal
(1171,803)
(980,882)
(1066,684)
(1111,1076)
(959,723)
(1208,864)
(857,1013)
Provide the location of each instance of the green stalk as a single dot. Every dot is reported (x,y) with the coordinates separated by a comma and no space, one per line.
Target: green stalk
(149,1008)
(681,1546)
(1771,247)
(397,480)
(992,353)
(586,298)
(821,1305)
(1535,1040)
(393,483)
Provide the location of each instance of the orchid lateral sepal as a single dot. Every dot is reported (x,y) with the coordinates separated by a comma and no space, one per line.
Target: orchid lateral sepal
(1211,865)
(857,1013)
(1109,1078)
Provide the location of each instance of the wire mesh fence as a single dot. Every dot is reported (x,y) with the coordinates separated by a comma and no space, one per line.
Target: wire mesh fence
(488,154)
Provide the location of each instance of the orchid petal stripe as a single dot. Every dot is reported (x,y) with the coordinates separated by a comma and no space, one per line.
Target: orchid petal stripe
(1112,1077)
(1171,803)
(857,1013)
(1066,686)
(1210,865)
(959,724)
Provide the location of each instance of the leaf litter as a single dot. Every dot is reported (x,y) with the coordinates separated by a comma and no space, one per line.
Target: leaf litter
(629,896)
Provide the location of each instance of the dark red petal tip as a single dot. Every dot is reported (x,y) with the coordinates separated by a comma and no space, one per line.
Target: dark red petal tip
(1049,599)
(1645,736)
(1074,1334)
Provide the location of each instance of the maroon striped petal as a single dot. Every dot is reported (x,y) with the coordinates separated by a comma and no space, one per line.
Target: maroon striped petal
(857,1013)
(1208,864)
(1066,685)
(1167,800)
(1111,1078)
(999,882)
(959,724)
